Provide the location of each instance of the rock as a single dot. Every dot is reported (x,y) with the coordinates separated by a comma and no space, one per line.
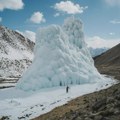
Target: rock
(4,118)
(107,112)
(87,118)
(105,118)
(116,112)
(98,117)
(117,104)
(110,100)
(97,105)
(117,97)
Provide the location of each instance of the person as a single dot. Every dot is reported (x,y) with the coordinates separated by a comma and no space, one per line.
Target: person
(67,89)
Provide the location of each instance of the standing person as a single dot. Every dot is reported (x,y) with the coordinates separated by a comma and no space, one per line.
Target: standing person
(67,89)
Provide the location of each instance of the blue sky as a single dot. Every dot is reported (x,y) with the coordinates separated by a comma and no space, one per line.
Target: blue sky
(101,18)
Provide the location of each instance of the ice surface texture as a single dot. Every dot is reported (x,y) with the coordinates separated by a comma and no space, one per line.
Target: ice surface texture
(61,58)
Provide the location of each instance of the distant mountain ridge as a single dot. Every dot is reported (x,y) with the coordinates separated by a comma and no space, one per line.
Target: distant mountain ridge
(16,53)
(109,56)
(97,51)
(109,62)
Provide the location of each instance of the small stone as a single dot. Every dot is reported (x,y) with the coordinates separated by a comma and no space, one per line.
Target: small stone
(98,117)
(99,104)
(87,118)
(105,118)
(116,112)
(107,112)
(110,100)
(117,97)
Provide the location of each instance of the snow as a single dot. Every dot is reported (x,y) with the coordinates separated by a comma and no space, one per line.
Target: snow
(14,45)
(19,104)
(16,53)
(61,58)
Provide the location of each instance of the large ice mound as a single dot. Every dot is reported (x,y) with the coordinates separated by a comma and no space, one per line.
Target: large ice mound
(61,58)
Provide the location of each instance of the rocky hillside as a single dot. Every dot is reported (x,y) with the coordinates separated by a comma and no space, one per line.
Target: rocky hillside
(109,62)
(16,53)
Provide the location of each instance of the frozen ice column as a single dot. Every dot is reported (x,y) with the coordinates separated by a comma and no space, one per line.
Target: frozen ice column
(61,58)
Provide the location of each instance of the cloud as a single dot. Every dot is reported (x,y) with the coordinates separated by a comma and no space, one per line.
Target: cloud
(98,42)
(111,33)
(69,7)
(113,2)
(115,21)
(0,19)
(28,34)
(11,4)
(56,14)
(37,18)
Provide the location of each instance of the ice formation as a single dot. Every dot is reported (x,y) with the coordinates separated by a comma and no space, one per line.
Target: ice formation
(61,58)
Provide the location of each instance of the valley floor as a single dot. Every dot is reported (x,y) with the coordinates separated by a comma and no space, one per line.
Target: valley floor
(16,104)
(102,105)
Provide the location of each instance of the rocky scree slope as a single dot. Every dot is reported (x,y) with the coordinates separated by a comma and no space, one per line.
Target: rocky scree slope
(16,53)
(109,62)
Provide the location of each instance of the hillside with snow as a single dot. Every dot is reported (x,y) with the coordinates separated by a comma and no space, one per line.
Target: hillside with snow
(16,53)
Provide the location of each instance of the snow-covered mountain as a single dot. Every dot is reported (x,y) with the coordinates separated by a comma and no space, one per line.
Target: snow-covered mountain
(97,51)
(61,58)
(16,53)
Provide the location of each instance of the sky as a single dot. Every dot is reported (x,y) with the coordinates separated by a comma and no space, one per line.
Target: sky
(101,18)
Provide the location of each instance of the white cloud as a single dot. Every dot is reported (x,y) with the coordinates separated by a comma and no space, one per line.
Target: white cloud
(56,14)
(11,4)
(111,33)
(69,7)
(0,19)
(37,17)
(97,42)
(115,21)
(113,2)
(28,34)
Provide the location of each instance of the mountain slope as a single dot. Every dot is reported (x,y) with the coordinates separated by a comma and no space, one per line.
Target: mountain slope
(16,53)
(109,56)
(109,62)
